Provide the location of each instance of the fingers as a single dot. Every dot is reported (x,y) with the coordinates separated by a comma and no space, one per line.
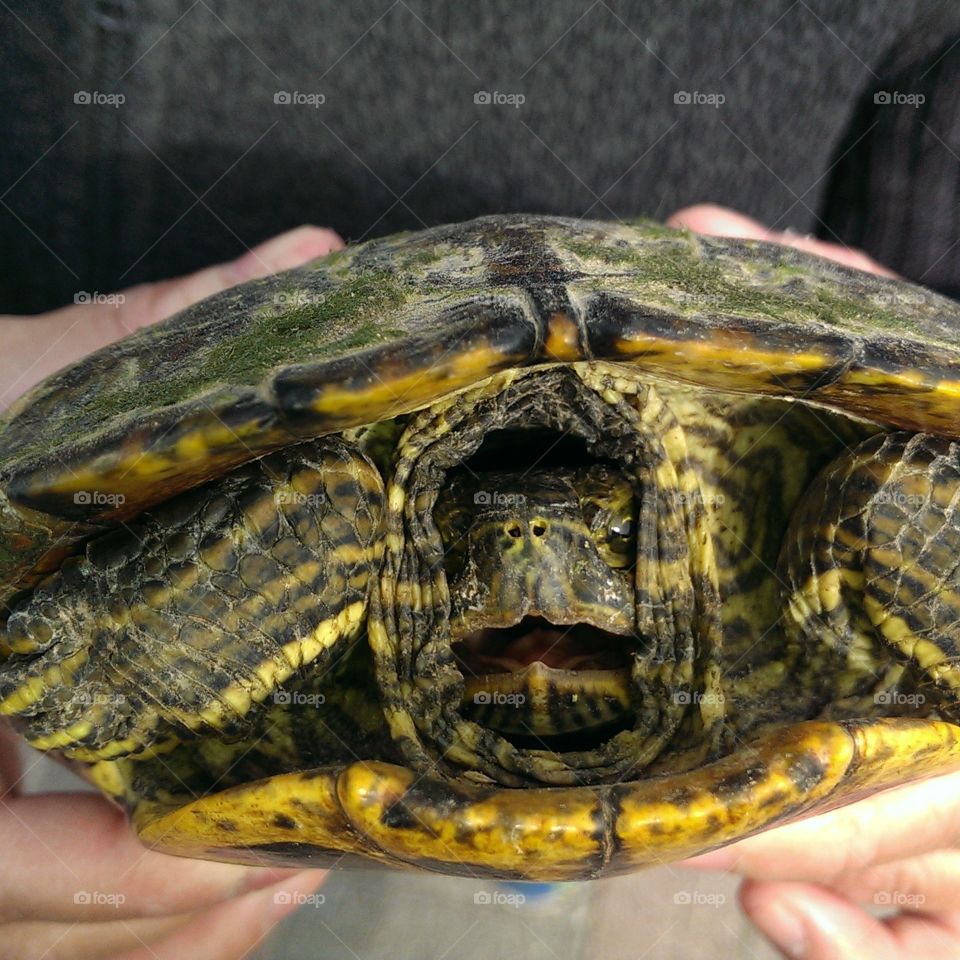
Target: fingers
(83,941)
(807,922)
(721,222)
(718,221)
(878,830)
(35,347)
(230,930)
(74,857)
(926,884)
(153,301)
(223,931)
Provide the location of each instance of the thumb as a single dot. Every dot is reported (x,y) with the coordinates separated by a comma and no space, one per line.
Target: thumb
(36,346)
(722,222)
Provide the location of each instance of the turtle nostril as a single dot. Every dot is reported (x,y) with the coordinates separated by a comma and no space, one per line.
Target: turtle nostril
(538,528)
(513,529)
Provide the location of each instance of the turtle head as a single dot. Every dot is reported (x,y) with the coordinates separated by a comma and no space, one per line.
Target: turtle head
(540,572)
(557,545)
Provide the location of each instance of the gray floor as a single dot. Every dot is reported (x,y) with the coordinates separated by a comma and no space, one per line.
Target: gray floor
(662,914)
(376,914)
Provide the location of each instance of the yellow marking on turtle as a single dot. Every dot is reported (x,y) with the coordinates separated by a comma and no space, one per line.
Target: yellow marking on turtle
(29,692)
(110,776)
(539,833)
(62,738)
(207,450)
(784,774)
(563,339)
(385,811)
(390,395)
(294,808)
(704,356)
(297,653)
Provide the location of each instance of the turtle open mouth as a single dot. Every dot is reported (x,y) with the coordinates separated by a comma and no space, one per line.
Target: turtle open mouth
(536,679)
(562,647)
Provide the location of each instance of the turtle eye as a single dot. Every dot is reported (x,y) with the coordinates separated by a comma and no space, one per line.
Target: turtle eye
(616,542)
(609,510)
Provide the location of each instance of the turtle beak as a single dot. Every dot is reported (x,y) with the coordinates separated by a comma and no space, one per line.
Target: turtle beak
(537,561)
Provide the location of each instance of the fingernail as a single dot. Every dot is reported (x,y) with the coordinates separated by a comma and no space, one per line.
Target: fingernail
(785,927)
(284,251)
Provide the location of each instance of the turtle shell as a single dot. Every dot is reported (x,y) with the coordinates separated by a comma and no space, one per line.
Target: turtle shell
(400,326)
(393,324)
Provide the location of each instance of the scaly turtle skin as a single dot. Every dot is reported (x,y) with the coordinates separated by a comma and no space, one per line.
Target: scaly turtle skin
(526,547)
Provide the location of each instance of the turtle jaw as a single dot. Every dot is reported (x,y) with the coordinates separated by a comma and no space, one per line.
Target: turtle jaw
(536,679)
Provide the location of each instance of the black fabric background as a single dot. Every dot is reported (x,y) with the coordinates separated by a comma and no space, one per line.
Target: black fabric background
(199,162)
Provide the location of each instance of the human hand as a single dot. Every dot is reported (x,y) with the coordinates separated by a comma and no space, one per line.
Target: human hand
(36,346)
(809,884)
(74,882)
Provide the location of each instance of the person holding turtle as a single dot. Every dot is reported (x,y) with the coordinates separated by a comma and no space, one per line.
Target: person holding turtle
(811,886)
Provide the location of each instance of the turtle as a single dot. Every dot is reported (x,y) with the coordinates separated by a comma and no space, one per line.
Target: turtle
(529,547)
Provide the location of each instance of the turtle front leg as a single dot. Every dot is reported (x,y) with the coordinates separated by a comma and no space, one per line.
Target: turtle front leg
(871,574)
(180,624)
